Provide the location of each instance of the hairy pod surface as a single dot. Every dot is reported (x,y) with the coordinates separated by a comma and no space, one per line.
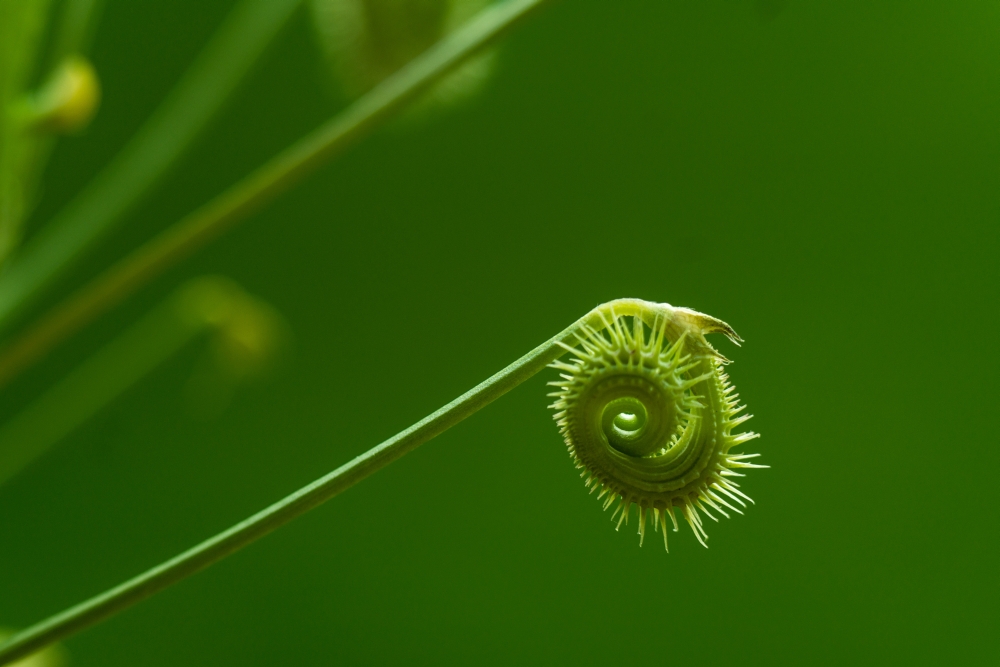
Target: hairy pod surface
(648,415)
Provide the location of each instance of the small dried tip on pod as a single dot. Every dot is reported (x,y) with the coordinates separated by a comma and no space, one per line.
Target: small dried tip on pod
(50,656)
(67,101)
(650,418)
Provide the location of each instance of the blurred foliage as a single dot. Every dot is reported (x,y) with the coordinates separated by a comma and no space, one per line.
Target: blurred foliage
(67,100)
(52,656)
(367,40)
(821,176)
(22,26)
(246,340)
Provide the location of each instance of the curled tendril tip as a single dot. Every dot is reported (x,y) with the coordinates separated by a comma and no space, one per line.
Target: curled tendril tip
(648,415)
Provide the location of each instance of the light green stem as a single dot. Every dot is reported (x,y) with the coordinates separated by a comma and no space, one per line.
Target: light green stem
(233,205)
(152,151)
(229,541)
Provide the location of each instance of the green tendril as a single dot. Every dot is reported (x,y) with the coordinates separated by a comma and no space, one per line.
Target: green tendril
(648,416)
(645,410)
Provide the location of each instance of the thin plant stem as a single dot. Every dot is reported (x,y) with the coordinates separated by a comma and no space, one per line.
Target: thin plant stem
(273,178)
(156,147)
(245,532)
(76,24)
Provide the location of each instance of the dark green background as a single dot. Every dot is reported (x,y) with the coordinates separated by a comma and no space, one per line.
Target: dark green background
(823,176)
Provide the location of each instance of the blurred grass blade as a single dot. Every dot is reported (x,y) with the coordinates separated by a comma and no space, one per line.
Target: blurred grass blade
(77,21)
(200,305)
(76,29)
(22,24)
(152,151)
(94,384)
(273,178)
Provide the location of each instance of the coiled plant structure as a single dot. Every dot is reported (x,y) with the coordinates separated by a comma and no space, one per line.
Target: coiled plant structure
(643,404)
(648,416)
(644,407)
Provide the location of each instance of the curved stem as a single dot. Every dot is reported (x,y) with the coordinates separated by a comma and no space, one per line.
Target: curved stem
(229,541)
(235,204)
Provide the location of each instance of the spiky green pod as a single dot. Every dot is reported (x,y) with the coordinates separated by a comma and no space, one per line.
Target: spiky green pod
(648,415)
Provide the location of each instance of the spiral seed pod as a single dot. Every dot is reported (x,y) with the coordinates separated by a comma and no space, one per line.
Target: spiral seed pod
(648,415)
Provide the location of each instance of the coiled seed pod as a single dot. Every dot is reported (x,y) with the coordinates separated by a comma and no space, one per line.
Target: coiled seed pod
(648,415)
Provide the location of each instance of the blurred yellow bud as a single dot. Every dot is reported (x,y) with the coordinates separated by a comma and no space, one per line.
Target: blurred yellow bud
(248,338)
(251,338)
(51,656)
(248,332)
(68,100)
(367,40)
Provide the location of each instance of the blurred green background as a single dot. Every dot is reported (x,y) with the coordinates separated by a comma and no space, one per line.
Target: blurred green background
(823,176)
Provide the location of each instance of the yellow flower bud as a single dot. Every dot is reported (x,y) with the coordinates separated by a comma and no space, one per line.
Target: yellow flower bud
(51,656)
(68,100)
